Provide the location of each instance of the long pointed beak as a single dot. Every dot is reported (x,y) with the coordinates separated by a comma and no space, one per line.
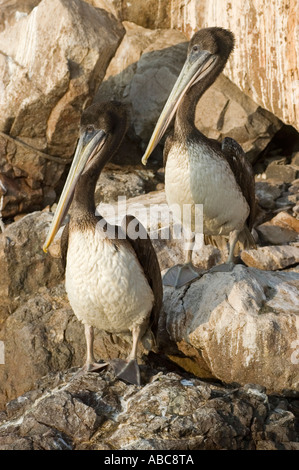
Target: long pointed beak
(192,72)
(88,146)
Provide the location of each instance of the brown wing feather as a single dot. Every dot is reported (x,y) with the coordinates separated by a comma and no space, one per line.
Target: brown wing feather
(148,259)
(243,172)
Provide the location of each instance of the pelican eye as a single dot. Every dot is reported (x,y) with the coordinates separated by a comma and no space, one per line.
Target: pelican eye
(89,129)
(195,48)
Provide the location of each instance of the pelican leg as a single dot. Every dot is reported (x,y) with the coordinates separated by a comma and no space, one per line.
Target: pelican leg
(128,370)
(181,274)
(91,364)
(228,266)
(233,238)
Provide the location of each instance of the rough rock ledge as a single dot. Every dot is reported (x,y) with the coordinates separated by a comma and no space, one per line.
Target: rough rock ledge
(96,412)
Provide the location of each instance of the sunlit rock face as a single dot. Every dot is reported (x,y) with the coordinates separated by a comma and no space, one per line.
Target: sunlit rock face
(265,63)
(51,63)
(266,57)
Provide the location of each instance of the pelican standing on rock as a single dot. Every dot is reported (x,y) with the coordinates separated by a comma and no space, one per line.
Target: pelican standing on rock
(113,281)
(199,170)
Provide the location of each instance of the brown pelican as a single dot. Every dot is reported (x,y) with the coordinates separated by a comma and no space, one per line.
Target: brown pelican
(113,281)
(199,170)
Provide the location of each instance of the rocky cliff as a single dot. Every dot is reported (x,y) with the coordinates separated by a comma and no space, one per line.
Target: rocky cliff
(226,372)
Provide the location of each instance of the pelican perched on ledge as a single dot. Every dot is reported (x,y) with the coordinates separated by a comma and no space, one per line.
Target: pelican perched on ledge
(199,170)
(113,281)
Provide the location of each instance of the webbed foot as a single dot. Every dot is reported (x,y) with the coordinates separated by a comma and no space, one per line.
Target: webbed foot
(94,366)
(223,268)
(91,367)
(179,275)
(128,371)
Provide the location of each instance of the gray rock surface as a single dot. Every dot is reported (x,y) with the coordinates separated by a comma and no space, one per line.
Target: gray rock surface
(144,63)
(97,412)
(124,181)
(267,192)
(276,235)
(225,111)
(24,266)
(27,271)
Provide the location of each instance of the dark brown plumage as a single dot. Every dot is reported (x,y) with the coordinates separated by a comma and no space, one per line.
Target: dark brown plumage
(147,257)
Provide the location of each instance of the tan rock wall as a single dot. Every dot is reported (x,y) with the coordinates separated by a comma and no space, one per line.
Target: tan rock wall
(265,62)
(266,57)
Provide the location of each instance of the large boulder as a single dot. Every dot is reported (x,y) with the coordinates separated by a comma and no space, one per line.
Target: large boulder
(143,63)
(51,63)
(237,116)
(240,327)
